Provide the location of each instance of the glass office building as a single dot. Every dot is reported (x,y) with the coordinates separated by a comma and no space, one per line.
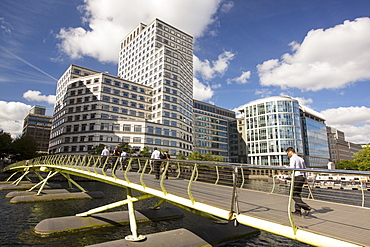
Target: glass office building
(273,124)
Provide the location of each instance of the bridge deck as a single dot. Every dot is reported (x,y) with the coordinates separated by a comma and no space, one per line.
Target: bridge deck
(344,222)
(337,221)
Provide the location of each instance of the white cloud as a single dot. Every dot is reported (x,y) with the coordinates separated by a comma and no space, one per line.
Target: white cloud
(353,121)
(263,92)
(215,86)
(301,101)
(331,58)
(36,96)
(106,23)
(12,115)
(242,79)
(201,91)
(210,69)
(226,7)
(304,101)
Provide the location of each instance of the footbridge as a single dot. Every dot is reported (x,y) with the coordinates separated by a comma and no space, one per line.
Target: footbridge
(221,191)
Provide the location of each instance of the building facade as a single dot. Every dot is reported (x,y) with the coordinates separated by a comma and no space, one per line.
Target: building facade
(339,148)
(38,126)
(149,103)
(273,124)
(215,131)
(160,56)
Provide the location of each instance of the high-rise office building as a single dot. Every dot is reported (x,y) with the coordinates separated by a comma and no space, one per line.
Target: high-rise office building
(149,104)
(38,126)
(215,131)
(340,149)
(273,124)
(160,56)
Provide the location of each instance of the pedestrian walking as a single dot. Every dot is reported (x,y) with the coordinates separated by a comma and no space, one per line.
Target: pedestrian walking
(156,156)
(299,180)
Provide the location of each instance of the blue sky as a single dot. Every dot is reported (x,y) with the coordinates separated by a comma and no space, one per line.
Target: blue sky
(316,51)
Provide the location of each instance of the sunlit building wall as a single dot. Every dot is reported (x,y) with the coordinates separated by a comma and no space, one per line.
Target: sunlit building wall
(38,126)
(215,131)
(273,124)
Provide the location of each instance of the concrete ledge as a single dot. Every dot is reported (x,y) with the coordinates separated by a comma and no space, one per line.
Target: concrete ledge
(28,193)
(59,196)
(26,186)
(59,225)
(205,235)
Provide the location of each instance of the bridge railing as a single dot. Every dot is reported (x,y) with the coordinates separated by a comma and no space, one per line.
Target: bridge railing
(264,178)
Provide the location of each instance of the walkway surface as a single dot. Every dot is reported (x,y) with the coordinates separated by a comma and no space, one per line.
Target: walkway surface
(336,221)
(339,221)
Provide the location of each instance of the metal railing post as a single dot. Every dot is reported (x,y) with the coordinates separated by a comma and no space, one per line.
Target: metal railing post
(234,210)
(190,184)
(292,223)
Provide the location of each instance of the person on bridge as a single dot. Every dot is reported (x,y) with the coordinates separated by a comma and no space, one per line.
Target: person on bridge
(156,155)
(299,180)
(123,159)
(116,153)
(167,156)
(104,153)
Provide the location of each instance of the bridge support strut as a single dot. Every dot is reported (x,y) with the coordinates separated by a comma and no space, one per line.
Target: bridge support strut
(131,213)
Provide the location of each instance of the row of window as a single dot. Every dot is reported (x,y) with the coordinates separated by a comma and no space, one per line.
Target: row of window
(273,119)
(273,146)
(271,107)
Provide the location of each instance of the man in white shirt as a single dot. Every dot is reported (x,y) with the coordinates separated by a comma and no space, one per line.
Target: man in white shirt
(156,155)
(123,159)
(299,180)
(104,153)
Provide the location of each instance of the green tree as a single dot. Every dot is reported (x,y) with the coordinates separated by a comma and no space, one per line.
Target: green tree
(5,144)
(211,157)
(180,156)
(97,149)
(195,156)
(362,159)
(145,152)
(24,148)
(125,146)
(346,165)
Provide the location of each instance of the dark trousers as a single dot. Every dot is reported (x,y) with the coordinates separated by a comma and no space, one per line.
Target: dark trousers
(297,190)
(157,166)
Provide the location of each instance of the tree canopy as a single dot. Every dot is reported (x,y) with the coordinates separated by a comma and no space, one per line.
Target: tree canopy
(19,148)
(361,161)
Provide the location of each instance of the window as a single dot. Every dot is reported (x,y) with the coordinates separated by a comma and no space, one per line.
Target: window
(116,127)
(137,139)
(132,113)
(104,126)
(126,127)
(158,131)
(150,129)
(137,128)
